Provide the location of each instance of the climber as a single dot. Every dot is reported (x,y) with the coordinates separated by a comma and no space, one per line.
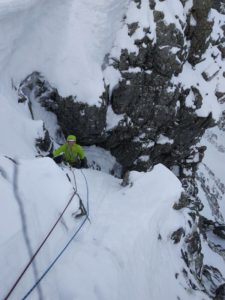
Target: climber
(71,153)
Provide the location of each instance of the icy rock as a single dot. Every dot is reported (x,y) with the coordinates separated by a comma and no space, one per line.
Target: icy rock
(44,143)
(220,292)
(219,5)
(209,74)
(184,201)
(177,235)
(220,231)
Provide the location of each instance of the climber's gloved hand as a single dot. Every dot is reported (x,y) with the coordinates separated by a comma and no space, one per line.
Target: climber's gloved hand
(84,163)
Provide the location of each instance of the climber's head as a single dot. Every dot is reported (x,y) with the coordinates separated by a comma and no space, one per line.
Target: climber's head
(71,139)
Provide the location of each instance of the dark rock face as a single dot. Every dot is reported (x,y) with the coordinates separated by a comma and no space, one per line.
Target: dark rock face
(157,121)
(220,292)
(87,122)
(219,5)
(177,235)
(154,113)
(184,201)
(45,143)
(199,33)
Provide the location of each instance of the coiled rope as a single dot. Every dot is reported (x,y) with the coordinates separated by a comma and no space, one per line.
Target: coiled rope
(66,246)
(45,239)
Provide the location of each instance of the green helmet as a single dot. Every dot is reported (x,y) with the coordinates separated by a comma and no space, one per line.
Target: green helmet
(71,138)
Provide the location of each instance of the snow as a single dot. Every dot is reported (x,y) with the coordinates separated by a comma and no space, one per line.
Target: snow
(123,40)
(112,119)
(121,241)
(18,130)
(192,77)
(8,207)
(172,10)
(214,150)
(212,70)
(101,159)
(112,78)
(144,158)
(144,17)
(218,20)
(193,21)
(190,99)
(68,40)
(164,140)
(214,140)
(133,70)
(111,244)
(211,260)
(188,5)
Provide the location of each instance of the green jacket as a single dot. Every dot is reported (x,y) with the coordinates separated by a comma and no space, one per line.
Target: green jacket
(71,152)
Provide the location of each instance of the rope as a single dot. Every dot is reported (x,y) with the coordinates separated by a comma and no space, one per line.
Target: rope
(10,158)
(74,178)
(39,248)
(87,189)
(65,247)
(54,261)
(24,228)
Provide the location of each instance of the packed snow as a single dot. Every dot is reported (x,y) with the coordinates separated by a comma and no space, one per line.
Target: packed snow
(66,40)
(119,255)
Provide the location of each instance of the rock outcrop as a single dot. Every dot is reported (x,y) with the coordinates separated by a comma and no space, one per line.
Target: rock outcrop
(156,117)
(88,122)
(199,29)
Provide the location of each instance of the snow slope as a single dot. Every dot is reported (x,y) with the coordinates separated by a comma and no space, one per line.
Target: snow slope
(66,40)
(125,253)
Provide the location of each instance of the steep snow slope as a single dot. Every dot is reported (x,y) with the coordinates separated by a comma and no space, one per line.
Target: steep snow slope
(66,40)
(125,253)
(17,130)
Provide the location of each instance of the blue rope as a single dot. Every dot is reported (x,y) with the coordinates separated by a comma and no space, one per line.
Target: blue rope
(63,250)
(87,192)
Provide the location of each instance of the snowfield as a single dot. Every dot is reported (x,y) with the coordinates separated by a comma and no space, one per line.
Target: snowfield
(66,40)
(124,253)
